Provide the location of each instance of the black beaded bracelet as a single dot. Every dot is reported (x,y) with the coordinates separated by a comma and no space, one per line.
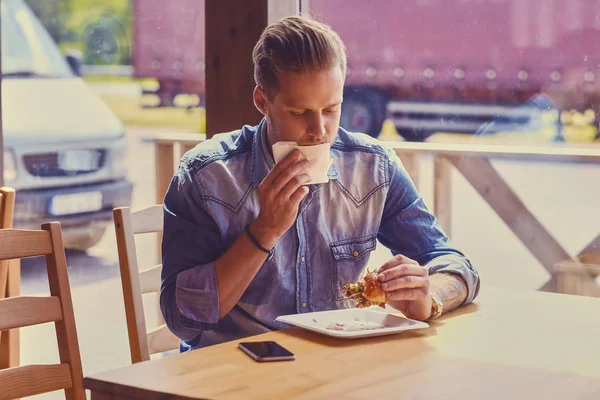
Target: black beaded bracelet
(257,244)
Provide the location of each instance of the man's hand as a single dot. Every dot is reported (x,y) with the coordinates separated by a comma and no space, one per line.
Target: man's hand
(407,287)
(280,194)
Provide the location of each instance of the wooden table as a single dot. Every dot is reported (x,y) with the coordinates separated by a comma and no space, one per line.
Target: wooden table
(507,345)
(473,161)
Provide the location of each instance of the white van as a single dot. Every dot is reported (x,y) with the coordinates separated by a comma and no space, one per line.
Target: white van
(64,149)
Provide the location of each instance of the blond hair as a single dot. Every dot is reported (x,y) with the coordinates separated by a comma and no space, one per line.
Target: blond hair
(296,44)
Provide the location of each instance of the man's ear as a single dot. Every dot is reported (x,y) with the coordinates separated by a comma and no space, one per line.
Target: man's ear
(260,100)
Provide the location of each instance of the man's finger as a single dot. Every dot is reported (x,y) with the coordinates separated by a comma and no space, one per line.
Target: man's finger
(395,261)
(293,185)
(286,176)
(402,270)
(298,195)
(408,294)
(406,282)
(288,160)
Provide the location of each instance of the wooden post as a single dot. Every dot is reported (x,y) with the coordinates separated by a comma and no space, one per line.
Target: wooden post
(411,162)
(165,169)
(187,147)
(232,29)
(591,253)
(442,193)
(578,279)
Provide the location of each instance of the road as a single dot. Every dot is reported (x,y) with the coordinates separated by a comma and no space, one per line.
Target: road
(566,198)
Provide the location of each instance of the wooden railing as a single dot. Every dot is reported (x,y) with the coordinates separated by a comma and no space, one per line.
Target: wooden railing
(472,160)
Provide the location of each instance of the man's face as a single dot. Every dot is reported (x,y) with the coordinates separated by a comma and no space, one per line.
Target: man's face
(305,108)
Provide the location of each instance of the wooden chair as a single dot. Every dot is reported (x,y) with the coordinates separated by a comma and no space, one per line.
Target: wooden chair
(10,282)
(16,312)
(142,344)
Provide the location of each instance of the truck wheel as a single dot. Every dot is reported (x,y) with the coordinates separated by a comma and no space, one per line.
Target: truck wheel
(363,111)
(85,241)
(414,135)
(101,46)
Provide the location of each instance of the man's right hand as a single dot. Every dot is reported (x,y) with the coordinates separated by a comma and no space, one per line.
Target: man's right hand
(280,194)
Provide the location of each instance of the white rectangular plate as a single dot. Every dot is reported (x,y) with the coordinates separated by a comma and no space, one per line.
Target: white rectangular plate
(318,322)
(65,204)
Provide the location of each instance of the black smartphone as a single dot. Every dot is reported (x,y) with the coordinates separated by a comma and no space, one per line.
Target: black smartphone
(266,351)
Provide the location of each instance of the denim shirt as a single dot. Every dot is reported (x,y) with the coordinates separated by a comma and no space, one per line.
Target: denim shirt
(213,197)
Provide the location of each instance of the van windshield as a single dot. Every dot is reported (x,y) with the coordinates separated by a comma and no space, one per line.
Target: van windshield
(27,48)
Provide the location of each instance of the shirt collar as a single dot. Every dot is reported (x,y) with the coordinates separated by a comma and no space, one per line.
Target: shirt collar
(262,160)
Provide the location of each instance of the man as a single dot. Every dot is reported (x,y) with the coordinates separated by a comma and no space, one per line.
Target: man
(246,240)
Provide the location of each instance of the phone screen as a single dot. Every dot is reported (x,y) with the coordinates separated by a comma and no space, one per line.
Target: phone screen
(266,351)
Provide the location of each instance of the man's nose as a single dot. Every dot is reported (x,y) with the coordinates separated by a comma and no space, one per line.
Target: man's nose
(317,126)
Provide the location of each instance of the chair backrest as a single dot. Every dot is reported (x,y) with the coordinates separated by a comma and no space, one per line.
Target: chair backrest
(7,207)
(16,312)
(142,343)
(10,282)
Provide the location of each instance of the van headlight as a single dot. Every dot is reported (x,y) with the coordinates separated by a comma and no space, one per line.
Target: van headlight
(119,161)
(10,167)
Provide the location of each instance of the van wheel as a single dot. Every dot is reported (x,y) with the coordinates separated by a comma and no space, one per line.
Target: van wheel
(85,241)
(414,135)
(363,110)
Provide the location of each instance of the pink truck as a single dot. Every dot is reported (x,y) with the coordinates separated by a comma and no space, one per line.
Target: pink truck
(427,65)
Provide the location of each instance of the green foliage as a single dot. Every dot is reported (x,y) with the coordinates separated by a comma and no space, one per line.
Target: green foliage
(100,29)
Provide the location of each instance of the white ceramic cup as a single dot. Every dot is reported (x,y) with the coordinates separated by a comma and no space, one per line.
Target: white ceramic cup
(318,156)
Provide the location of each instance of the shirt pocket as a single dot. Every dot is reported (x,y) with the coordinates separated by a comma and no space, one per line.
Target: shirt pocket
(350,258)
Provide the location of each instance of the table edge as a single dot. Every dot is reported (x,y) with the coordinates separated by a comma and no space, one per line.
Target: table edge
(118,389)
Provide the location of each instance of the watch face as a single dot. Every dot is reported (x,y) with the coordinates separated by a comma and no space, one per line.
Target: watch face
(437,306)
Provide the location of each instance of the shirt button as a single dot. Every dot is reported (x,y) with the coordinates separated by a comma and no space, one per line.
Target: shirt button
(355,254)
(302,259)
(303,305)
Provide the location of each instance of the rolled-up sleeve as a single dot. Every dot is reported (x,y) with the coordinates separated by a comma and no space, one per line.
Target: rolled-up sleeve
(191,243)
(409,228)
